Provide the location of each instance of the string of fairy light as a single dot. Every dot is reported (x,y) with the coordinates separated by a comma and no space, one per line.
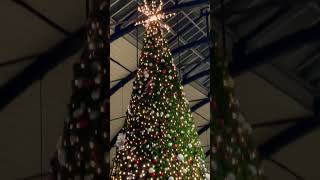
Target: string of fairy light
(154,14)
(159,138)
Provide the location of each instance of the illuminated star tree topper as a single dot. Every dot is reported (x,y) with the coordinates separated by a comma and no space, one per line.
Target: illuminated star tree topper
(154,14)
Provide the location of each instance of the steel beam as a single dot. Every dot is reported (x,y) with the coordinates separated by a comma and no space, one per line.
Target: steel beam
(203,129)
(190,45)
(207,153)
(277,123)
(185,29)
(277,142)
(193,65)
(187,80)
(187,16)
(41,66)
(285,168)
(189,5)
(122,82)
(19,60)
(252,11)
(120,32)
(281,11)
(200,104)
(242,62)
(303,67)
(260,55)
(42,17)
(301,128)
(289,135)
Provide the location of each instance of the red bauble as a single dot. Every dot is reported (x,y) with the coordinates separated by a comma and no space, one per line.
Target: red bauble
(214,105)
(154,161)
(153,174)
(161,173)
(137,161)
(221,121)
(83,123)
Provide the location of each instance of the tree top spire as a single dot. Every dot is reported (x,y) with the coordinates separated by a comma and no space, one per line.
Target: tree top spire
(154,13)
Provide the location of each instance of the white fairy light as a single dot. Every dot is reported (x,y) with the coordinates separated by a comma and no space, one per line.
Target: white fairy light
(154,15)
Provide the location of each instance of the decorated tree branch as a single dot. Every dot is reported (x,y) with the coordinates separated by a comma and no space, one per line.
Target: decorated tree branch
(233,153)
(159,139)
(83,145)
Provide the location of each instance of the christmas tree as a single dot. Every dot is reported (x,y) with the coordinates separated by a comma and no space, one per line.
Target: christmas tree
(159,139)
(83,146)
(233,154)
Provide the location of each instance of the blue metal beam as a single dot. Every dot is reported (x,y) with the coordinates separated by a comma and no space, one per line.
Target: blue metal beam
(276,123)
(196,66)
(184,66)
(193,108)
(274,144)
(243,62)
(122,82)
(285,168)
(258,56)
(200,104)
(188,80)
(281,11)
(43,64)
(120,32)
(301,128)
(207,153)
(289,135)
(188,5)
(185,29)
(308,62)
(190,45)
(192,68)
(42,17)
(10,62)
(203,129)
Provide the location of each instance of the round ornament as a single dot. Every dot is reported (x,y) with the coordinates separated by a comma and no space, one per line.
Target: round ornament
(151,170)
(180,158)
(207,176)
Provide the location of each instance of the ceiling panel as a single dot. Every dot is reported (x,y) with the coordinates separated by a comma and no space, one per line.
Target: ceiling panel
(24,34)
(302,155)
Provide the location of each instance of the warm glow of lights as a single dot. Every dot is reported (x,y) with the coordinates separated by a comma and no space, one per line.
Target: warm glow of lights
(154,14)
(159,139)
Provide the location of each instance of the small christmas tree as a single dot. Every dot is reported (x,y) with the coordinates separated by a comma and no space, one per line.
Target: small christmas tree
(159,139)
(83,146)
(233,154)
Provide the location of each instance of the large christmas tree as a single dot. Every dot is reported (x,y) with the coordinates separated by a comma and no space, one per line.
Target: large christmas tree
(233,153)
(83,146)
(159,139)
